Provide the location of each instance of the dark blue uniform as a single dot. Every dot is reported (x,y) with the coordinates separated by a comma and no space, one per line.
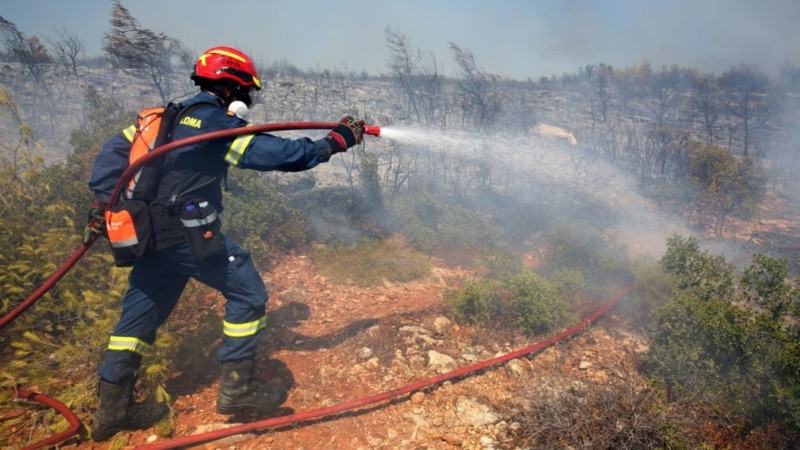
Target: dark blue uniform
(157,280)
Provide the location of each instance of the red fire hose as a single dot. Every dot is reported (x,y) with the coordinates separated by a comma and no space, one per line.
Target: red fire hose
(413,387)
(78,253)
(279,421)
(74,422)
(373,130)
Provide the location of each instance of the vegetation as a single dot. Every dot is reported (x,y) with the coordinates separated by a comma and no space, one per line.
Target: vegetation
(527,300)
(614,416)
(144,53)
(260,218)
(57,342)
(583,248)
(707,146)
(370,263)
(731,346)
(430,224)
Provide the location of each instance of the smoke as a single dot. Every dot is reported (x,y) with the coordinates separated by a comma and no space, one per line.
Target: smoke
(560,180)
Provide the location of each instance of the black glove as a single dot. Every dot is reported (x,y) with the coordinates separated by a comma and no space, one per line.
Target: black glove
(347,133)
(95,221)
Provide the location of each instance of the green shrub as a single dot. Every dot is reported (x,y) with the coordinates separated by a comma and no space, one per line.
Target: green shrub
(56,344)
(652,290)
(500,263)
(710,348)
(567,282)
(478,301)
(526,299)
(370,263)
(706,275)
(536,304)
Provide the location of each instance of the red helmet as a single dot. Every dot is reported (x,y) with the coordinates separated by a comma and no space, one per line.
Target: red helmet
(217,63)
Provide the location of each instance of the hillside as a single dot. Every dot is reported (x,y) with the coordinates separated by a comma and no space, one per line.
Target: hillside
(330,344)
(551,156)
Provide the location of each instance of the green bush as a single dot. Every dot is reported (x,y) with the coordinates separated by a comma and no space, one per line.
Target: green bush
(714,348)
(499,263)
(56,344)
(536,304)
(706,275)
(478,301)
(431,225)
(652,290)
(567,282)
(526,299)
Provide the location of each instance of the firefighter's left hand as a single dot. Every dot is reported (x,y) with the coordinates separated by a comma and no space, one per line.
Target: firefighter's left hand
(348,132)
(95,221)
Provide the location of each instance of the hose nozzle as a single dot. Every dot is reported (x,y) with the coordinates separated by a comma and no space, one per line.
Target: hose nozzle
(372,130)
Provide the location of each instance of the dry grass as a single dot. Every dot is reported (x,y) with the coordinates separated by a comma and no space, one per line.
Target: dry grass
(371,262)
(622,415)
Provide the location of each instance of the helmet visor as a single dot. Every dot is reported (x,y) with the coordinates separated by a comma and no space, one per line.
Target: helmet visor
(244,76)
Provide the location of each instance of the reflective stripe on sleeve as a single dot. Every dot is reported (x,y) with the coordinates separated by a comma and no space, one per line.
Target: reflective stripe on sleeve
(130,344)
(237,148)
(244,329)
(129,132)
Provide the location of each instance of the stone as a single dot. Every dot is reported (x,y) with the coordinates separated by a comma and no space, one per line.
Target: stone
(471,412)
(441,325)
(364,353)
(440,360)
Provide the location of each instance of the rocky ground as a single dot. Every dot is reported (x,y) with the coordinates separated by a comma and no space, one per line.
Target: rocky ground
(329,344)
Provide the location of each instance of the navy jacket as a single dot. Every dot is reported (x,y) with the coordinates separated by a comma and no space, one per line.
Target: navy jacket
(199,169)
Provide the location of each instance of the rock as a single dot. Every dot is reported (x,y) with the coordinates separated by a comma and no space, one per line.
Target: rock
(417,398)
(413,329)
(152,438)
(487,442)
(441,325)
(585,365)
(440,360)
(516,368)
(373,363)
(472,412)
(364,353)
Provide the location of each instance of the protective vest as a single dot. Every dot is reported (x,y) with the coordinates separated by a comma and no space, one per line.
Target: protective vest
(128,223)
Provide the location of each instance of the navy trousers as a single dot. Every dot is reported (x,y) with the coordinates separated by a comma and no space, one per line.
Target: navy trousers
(155,284)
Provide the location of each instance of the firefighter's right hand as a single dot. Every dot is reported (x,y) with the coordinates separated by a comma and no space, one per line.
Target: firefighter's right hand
(95,222)
(348,132)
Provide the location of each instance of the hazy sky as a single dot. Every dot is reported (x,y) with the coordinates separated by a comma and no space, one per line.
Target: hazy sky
(515,38)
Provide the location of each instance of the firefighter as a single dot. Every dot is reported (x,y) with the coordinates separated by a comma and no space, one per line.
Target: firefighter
(192,178)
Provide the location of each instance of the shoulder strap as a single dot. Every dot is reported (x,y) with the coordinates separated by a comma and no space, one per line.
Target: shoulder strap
(180,112)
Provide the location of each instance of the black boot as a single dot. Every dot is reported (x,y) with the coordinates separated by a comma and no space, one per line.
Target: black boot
(239,392)
(118,412)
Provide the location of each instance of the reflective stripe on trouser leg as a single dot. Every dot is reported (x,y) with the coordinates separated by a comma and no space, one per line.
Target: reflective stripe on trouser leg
(131,344)
(247,329)
(151,296)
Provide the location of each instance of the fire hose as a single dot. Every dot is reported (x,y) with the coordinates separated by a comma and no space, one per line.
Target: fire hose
(279,421)
(373,130)
(384,396)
